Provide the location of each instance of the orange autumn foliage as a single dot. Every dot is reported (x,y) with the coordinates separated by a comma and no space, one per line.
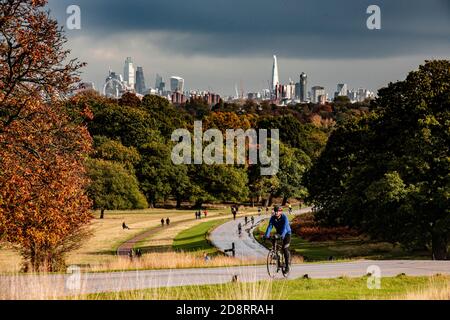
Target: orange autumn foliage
(43,204)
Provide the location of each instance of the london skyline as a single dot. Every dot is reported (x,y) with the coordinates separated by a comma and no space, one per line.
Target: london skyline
(222,45)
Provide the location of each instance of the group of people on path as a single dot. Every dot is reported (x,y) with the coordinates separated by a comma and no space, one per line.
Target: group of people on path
(273,211)
(135,253)
(252,219)
(167,222)
(198,214)
(260,211)
(163,222)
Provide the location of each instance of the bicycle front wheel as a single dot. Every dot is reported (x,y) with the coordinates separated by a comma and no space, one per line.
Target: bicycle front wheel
(272,263)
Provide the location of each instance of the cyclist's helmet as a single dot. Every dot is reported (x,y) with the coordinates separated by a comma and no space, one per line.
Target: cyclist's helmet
(277,209)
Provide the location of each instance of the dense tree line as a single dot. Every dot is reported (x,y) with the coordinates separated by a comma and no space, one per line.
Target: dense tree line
(387,174)
(135,135)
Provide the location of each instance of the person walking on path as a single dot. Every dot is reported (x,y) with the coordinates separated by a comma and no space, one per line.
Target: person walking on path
(168,221)
(253,221)
(246,220)
(162,222)
(206,213)
(259,211)
(124,226)
(130,254)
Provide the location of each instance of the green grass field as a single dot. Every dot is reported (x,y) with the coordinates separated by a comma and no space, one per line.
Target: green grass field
(299,289)
(195,238)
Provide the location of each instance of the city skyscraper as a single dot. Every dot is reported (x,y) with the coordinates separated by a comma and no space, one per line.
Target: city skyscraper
(140,81)
(158,81)
(176,84)
(275,76)
(318,93)
(342,90)
(129,73)
(303,87)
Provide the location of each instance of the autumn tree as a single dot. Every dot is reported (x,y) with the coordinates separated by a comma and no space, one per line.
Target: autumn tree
(43,204)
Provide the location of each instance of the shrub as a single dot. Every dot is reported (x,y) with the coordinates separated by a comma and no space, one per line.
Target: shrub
(306,227)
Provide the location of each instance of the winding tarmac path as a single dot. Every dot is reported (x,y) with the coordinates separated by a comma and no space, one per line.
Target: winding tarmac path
(246,245)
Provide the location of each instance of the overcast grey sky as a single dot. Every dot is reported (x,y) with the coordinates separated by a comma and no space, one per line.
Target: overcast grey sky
(215,44)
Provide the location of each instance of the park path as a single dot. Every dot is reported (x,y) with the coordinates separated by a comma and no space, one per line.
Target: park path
(124,248)
(246,246)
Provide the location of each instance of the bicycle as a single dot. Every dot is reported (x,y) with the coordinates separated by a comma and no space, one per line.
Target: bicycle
(275,258)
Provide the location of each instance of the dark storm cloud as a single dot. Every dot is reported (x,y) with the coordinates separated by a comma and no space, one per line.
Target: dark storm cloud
(292,28)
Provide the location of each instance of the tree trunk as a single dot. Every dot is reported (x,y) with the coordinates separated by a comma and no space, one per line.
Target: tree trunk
(199,204)
(439,246)
(178,203)
(102,213)
(270,200)
(285,200)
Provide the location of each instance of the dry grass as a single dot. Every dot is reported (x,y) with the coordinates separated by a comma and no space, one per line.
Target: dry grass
(169,260)
(33,287)
(10,260)
(435,290)
(108,235)
(258,290)
(165,237)
(54,287)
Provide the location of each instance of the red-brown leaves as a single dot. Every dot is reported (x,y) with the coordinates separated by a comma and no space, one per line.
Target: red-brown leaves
(43,205)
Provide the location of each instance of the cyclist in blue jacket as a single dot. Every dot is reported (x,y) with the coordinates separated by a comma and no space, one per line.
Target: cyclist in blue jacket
(281,223)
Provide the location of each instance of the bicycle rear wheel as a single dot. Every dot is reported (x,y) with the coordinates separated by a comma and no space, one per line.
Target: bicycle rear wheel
(272,263)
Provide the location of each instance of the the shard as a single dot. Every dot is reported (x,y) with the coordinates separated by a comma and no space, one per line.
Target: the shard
(275,78)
